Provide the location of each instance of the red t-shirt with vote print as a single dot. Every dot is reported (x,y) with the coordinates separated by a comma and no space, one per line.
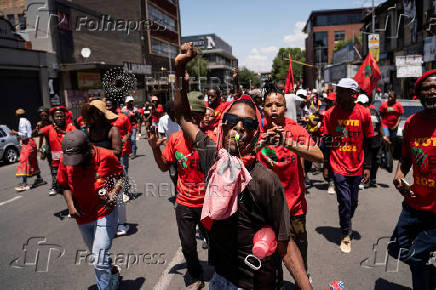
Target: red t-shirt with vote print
(347,130)
(190,182)
(287,165)
(390,114)
(419,144)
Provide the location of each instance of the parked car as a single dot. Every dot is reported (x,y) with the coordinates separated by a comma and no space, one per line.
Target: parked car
(9,145)
(410,107)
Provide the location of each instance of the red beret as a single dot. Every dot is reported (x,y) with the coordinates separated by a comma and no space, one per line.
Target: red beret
(57,108)
(422,78)
(332,96)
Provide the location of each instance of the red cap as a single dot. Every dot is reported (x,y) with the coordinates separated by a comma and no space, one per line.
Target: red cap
(422,78)
(57,108)
(332,96)
(378,90)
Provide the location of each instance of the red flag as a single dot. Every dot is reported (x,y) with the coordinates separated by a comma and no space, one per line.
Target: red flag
(368,74)
(289,78)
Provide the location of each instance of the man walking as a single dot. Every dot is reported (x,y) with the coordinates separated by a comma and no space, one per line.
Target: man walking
(414,238)
(347,132)
(91,178)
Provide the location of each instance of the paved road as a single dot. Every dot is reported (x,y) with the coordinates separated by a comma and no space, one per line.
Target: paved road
(42,250)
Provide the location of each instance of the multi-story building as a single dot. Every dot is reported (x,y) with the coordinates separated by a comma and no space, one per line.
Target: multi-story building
(86,38)
(219,55)
(405,28)
(324,29)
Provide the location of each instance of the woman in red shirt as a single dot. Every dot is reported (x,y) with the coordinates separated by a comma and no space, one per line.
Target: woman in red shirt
(391,112)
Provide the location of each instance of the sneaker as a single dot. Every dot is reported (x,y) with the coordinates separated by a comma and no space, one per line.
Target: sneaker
(310,278)
(204,245)
(122,230)
(126,198)
(38,182)
(373,183)
(52,192)
(22,187)
(115,279)
(132,157)
(196,285)
(332,189)
(307,181)
(361,187)
(346,245)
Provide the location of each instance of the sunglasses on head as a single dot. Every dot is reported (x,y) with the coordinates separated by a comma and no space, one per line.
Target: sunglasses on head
(232,120)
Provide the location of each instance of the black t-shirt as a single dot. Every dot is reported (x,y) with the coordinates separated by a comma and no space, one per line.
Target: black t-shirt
(261,203)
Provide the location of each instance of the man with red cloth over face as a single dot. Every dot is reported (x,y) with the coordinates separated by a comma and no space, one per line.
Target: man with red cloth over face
(252,195)
(55,133)
(283,144)
(348,137)
(414,238)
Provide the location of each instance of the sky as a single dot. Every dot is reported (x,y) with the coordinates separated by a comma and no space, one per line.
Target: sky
(256,29)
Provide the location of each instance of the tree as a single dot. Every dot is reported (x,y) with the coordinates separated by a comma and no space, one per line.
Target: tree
(198,61)
(280,66)
(245,75)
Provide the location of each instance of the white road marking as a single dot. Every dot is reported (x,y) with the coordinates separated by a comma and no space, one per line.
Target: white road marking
(10,200)
(165,279)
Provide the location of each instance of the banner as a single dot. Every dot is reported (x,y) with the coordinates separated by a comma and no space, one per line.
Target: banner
(289,79)
(374,45)
(88,80)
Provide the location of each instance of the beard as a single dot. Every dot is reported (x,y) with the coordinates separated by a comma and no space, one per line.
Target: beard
(429,102)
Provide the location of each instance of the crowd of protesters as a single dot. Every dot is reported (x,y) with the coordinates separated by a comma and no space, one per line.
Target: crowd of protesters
(240,162)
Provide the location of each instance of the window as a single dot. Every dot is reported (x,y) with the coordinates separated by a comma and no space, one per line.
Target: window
(11,19)
(22,21)
(158,16)
(320,47)
(2,133)
(162,48)
(339,35)
(338,19)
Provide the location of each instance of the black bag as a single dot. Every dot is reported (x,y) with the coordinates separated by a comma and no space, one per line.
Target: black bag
(386,160)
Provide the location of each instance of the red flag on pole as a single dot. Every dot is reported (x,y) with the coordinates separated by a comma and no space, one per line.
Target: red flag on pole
(289,78)
(368,74)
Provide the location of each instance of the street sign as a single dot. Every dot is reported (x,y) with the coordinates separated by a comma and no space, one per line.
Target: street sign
(172,78)
(374,45)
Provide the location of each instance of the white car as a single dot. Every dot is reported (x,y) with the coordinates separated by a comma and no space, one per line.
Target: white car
(9,145)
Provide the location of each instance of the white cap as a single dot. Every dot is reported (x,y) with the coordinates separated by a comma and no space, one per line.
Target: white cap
(324,96)
(362,98)
(129,98)
(302,92)
(314,91)
(348,83)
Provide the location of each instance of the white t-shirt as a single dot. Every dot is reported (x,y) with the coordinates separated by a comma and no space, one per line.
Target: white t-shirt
(167,127)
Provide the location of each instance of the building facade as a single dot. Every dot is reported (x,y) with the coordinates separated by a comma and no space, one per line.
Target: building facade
(220,59)
(406,28)
(141,36)
(324,29)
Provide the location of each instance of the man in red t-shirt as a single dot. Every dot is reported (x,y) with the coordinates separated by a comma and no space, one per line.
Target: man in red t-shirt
(55,133)
(125,128)
(391,112)
(348,134)
(190,187)
(156,113)
(91,178)
(133,114)
(414,238)
(284,160)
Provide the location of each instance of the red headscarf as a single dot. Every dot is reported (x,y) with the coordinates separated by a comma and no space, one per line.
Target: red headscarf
(246,153)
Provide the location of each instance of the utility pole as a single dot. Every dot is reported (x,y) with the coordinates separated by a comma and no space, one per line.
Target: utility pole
(199,80)
(373,17)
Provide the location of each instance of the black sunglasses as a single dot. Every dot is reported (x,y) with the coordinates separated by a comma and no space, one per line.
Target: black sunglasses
(232,120)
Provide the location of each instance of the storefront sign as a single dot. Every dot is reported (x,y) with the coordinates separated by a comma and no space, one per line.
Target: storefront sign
(409,66)
(374,45)
(88,80)
(429,48)
(137,68)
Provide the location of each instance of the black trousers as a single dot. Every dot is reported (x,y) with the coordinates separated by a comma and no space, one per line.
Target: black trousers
(187,220)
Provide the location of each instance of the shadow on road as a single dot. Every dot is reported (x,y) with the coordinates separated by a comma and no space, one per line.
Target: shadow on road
(126,284)
(286,285)
(61,214)
(208,272)
(334,235)
(382,284)
(382,185)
